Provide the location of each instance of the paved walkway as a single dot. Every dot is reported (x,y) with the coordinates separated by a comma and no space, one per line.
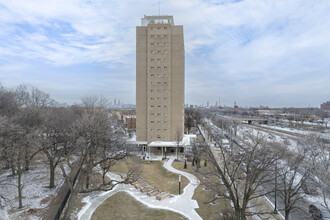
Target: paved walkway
(182,204)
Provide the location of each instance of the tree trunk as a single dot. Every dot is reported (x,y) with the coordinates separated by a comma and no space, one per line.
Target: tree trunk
(19,186)
(27,159)
(103,177)
(87,180)
(287,212)
(177,157)
(52,174)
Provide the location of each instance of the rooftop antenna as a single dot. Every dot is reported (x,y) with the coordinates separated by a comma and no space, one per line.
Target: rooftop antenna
(158,8)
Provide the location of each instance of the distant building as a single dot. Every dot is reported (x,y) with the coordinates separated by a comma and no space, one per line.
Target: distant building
(325,106)
(131,122)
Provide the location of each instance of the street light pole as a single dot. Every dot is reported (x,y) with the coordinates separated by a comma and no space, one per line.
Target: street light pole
(179,184)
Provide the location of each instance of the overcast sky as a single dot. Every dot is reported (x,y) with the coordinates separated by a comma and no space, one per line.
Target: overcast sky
(254,52)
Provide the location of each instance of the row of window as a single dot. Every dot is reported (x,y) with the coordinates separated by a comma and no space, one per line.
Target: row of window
(165,114)
(159,44)
(158,122)
(159,51)
(158,67)
(158,129)
(159,75)
(159,59)
(158,83)
(159,35)
(158,90)
(158,99)
(157,106)
(158,28)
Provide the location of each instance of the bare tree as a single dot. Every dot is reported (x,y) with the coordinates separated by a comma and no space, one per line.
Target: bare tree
(293,176)
(55,138)
(33,97)
(242,174)
(178,140)
(320,159)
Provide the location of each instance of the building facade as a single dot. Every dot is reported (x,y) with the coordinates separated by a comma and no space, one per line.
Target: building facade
(325,106)
(160,67)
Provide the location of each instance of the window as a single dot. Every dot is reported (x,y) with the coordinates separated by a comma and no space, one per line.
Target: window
(159,98)
(165,60)
(165,122)
(165,114)
(158,28)
(152,35)
(152,106)
(153,51)
(159,59)
(165,67)
(158,114)
(152,83)
(165,35)
(165,83)
(158,129)
(165,91)
(165,98)
(152,75)
(158,51)
(159,36)
(158,67)
(159,44)
(158,90)
(159,75)
(159,83)
(165,106)
(152,90)
(165,51)
(152,121)
(152,28)
(165,75)
(158,106)
(165,28)
(152,44)
(165,129)
(158,121)
(152,98)
(152,60)
(152,113)
(165,43)
(159,137)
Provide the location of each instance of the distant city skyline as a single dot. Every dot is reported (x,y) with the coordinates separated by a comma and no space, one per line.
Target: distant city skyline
(273,53)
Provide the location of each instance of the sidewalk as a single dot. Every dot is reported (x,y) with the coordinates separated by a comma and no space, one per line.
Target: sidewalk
(182,204)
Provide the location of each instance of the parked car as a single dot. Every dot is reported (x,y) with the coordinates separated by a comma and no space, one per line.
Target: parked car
(315,213)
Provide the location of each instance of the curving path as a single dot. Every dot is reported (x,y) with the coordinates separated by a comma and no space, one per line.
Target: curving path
(182,204)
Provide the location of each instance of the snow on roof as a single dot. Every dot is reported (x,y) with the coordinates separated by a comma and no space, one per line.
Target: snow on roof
(185,142)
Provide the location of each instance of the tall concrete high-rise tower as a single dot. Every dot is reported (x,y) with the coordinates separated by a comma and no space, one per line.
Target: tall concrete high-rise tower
(159,80)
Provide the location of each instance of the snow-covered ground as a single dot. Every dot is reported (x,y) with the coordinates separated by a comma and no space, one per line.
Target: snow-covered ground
(36,194)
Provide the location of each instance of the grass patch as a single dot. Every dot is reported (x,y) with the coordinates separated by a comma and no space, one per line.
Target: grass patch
(206,210)
(154,173)
(123,206)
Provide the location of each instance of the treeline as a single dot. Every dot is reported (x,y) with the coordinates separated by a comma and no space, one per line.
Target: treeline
(32,123)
